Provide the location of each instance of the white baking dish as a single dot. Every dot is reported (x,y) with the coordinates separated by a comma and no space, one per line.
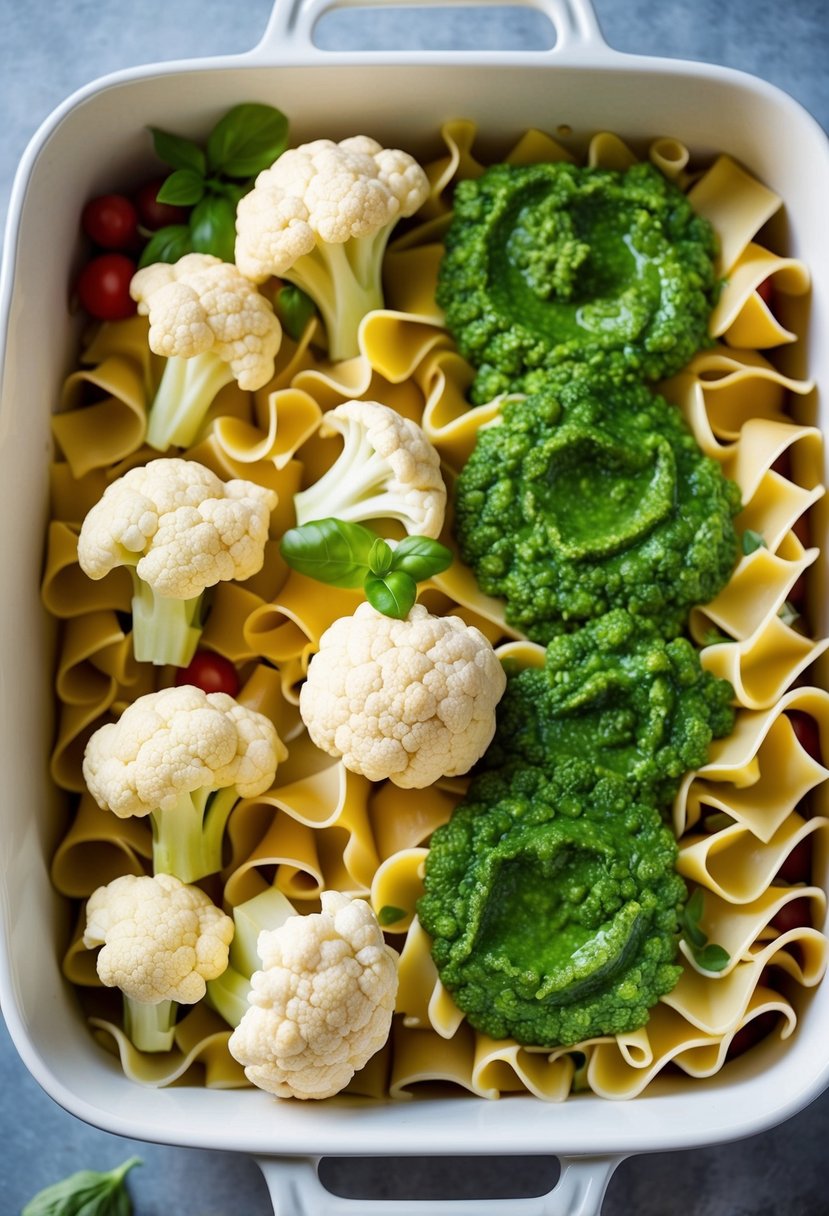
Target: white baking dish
(98,137)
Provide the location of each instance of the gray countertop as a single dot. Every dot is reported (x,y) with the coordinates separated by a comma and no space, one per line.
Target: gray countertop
(48,49)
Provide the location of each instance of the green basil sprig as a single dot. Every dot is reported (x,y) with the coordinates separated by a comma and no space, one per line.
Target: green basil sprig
(349,555)
(211,180)
(708,955)
(294,309)
(86,1193)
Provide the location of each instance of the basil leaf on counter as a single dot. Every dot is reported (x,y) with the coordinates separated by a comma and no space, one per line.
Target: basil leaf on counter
(330,551)
(247,140)
(393,595)
(86,1193)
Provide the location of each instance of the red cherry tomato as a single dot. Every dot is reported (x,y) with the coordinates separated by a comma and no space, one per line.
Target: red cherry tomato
(154,214)
(806,732)
(111,221)
(765,291)
(210,672)
(104,287)
(796,914)
(798,865)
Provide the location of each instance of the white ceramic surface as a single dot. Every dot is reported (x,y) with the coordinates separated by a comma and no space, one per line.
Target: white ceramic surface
(97,137)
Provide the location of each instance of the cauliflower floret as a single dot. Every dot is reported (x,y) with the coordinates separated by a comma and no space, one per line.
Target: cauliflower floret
(161,942)
(212,326)
(323,1003)
(185,757)
(410,700)
(180,529)
(321,217)
(387,469)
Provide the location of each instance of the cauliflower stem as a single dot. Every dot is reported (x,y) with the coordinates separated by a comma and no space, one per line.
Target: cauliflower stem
(345,282)
(150,1027)
(184,395)
(187,837)
(164,631)
(228,993)
(354,488)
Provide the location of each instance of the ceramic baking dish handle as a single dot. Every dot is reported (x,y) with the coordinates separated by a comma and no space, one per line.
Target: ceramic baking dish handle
(291,27)
(296,1190)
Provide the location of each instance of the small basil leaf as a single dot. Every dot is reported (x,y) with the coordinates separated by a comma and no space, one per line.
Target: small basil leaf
(420,557)
(182,188)
(713,637)
(247,140)
(752,541)
(788,613)
(393,595)
(330,551)
(712,958)
(179,152)
(389,915)
(213,227)
(691,917)
(85,1193)
(380,558)
(295,310)
(167,245)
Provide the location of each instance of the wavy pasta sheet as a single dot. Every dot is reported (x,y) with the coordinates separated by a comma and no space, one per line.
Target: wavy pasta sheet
(758,802)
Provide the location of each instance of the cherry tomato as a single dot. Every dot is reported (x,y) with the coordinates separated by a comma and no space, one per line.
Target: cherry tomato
(104,287)
(765,291)
(154,214)
(798,865)
(796,914)
(806,732)
(210,672)
(111,221)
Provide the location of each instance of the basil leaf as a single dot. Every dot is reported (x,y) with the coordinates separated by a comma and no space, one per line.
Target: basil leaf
(752,541)
(788,613)
(213,227)
(247,140)
(179,152)
(713,637)
(389,915)
(85,1193)
(295,310)
(420,557)
(182,188)
(167,245)
(330,551)
(691,918)
(393,595)
(380,558)
(712,958)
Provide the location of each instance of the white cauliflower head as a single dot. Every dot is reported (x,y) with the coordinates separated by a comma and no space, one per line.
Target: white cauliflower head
(172,743)
(180,526)
(410,700)
(161,940)
(387,469)
(322,1005)
(201,304)
(323,192)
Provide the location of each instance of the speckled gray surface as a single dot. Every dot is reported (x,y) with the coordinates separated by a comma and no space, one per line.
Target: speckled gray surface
(51,47)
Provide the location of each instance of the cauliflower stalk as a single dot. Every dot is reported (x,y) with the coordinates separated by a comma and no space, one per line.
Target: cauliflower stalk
(409,700)
(161,941)
(212,326)
(322,1004)
(184,757)
(180,530)
(320,218)
(387,469)
(228,993)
